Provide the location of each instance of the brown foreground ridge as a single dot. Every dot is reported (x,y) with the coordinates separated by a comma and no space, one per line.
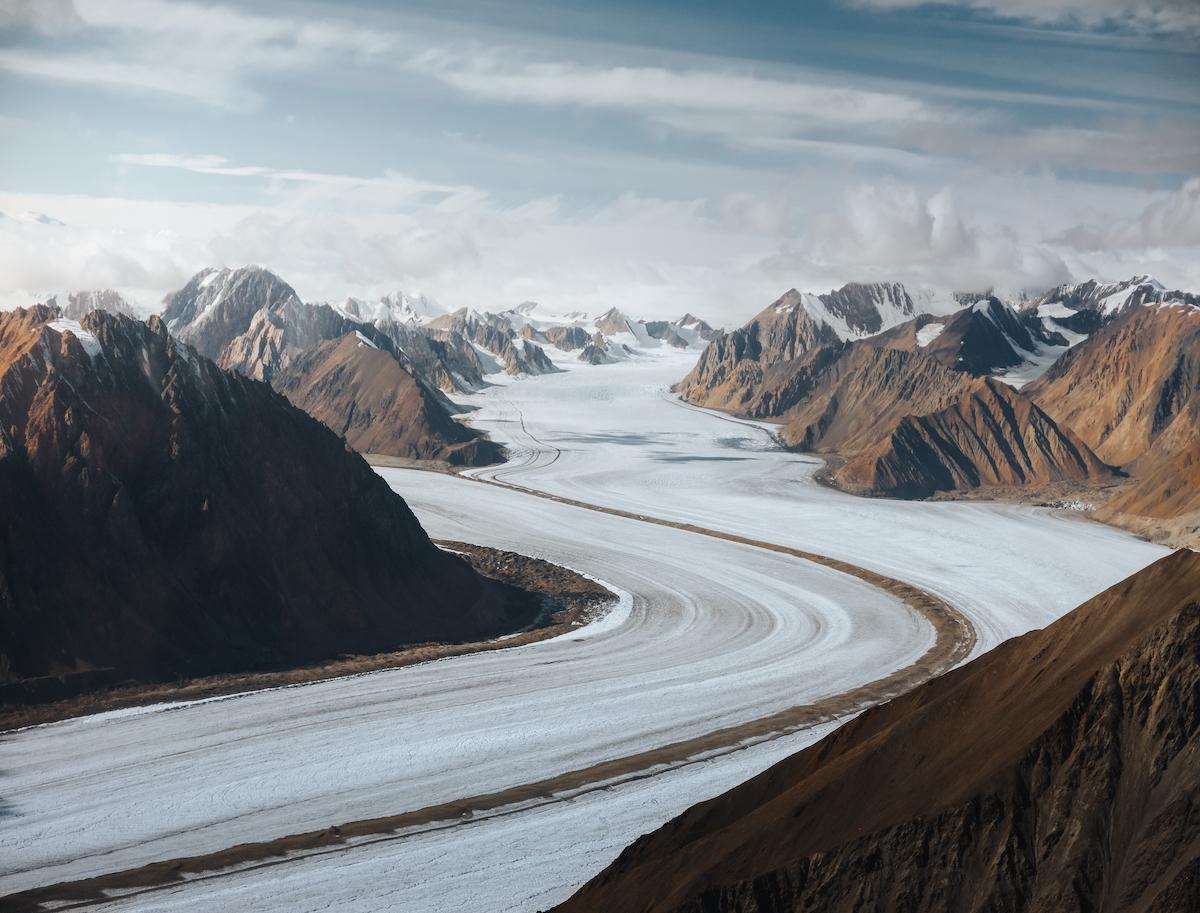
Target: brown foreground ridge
(953,642)
(567,600)
(1059,772)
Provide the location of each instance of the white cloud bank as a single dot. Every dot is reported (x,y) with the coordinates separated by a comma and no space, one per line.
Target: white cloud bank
(1179,17)
(723,256)
(1172,222)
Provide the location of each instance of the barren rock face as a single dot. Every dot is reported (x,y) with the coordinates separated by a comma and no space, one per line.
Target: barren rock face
(733,369)
(859,303)
(1132,391)
(567,339)
(1136,381)
(992,436)
(1058,772)
(207,524)
(218,305)
(373,400)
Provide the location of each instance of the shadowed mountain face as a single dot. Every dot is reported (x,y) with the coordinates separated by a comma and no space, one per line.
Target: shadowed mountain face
(1060,772)
(368,396)
(207,524)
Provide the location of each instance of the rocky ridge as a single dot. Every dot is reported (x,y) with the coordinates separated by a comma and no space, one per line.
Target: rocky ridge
(1057,772)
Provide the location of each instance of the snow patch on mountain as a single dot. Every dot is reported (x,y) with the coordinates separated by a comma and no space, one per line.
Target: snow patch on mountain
(87,339)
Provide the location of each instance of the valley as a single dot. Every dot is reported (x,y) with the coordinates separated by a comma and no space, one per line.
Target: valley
(709,635)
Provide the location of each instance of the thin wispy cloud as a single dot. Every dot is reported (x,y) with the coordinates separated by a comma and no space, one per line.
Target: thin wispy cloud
(391,183)
(1146,16)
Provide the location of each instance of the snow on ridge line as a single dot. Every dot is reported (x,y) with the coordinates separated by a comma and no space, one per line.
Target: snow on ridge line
(91,345)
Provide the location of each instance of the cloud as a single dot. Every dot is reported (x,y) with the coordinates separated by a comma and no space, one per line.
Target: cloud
(1180,17)
(501,74)
(393,185)
(40,15)
(893,231)
(198,52)
(1172,222)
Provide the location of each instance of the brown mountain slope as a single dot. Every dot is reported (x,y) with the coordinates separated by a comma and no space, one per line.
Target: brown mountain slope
(165,518)
(750,369)
(1132,392)
(1134,383)
(1060,772)
(992,436)
(368,396)
(864,393)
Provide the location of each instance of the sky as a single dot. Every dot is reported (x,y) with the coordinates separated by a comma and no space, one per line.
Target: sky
(661,156)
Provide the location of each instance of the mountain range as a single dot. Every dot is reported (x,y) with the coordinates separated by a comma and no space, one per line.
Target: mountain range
(1078,390)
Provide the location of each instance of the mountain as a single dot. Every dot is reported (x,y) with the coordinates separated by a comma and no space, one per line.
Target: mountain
(1132,392)
(741,366)
(701,328)
(748,364)
(568,338)
(990,437)
(166,518)
(844,398)
(447,360)
(861,309)
(278,345)
(1105,300)
(278,333)
(612,322)
(1056,773)
(494,333)
(375,401)
(75,305)
(398,307)
(988,338)
(217,305)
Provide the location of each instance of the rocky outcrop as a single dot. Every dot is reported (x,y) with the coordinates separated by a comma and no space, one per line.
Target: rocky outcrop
(1057,772)
(163,517)
(612,322)
(596,353)
(991,437)
(532,333)
(374,400)
(701,328)
(567,339)
(218,305)
(665,331)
